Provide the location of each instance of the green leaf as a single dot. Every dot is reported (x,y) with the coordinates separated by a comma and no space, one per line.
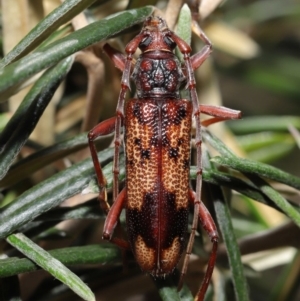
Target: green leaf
(256,141)
(92,254)
(51,265)
(234,256)
(49,55)
(260,169)
(266,146)
(184,28)
(169,293)
(254,171)
(271,153)
(225,226)
(276,197)
(249,166)
(239,185)
(29,112)
(263,123)
(45,156)
(65,12)
(167,288)
(87,210)
(50,193)
(184,24)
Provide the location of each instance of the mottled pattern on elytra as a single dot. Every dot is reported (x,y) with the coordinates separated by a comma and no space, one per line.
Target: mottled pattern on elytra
(141,152)
(145,256)
(157,150)
(170,256)
(176,127)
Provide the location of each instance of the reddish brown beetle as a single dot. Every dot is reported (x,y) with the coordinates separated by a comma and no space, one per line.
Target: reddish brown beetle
(157,134)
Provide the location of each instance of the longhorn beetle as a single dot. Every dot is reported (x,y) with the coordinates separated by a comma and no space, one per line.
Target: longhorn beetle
(157,133)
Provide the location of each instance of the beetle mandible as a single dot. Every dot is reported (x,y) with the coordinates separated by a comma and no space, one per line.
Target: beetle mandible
(157,133)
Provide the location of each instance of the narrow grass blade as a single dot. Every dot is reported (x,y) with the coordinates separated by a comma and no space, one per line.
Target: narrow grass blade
(259,169)
(45,156)
(92,254)
(277,198)
(51,265)
(65,12)
(50,193)
(184,28)
(28,114)
(51,54)
(167,289)
(249,166)
(225,225)
(264,123)
(234,255)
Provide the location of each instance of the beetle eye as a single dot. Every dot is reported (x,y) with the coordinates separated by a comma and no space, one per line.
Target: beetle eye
(170,42)
(145,41)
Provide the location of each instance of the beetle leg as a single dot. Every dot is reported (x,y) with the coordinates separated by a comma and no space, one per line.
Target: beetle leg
(117,57)
(209,226)
(207,222)
(112,221)
(198,58)
(130,50)
(104,128)
(219,113)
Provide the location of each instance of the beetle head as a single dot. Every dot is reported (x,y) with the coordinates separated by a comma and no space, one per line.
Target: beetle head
(155,23)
